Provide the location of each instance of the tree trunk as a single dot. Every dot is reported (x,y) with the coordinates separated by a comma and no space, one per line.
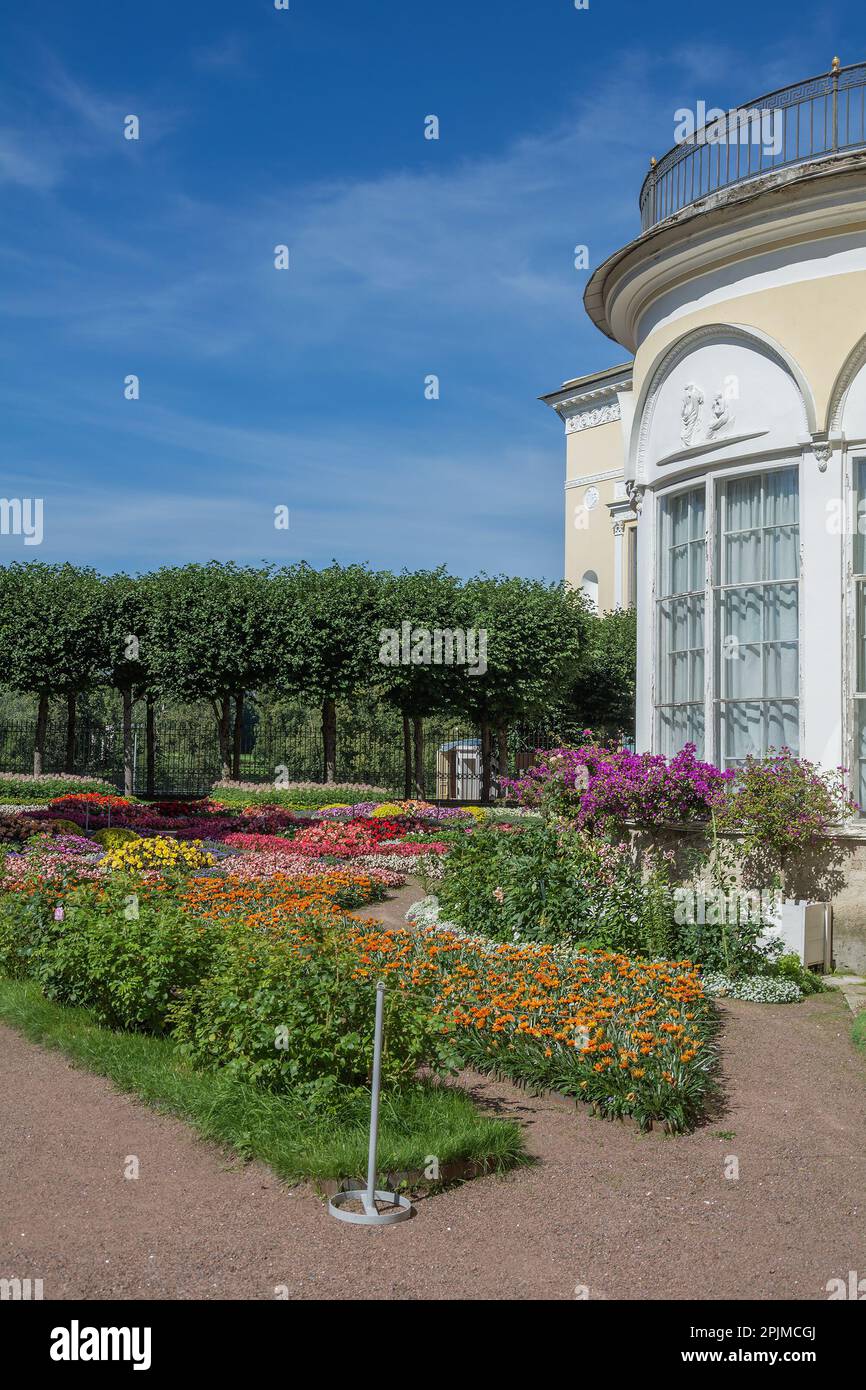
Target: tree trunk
(224,723)
(41,729)
(150,754)
(502,746)
(418,732)
(128,765)
(407,758)
(238,734)
(69,760)
(329,738)
(486,760)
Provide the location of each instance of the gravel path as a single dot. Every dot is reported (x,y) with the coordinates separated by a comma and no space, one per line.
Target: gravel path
(629,1216)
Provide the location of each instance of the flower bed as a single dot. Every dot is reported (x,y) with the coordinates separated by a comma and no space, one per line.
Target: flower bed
(631,1038)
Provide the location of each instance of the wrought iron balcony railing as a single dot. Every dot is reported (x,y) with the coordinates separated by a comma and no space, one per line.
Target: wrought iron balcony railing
(825,115)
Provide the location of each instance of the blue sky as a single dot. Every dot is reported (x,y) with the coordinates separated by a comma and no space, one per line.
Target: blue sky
(305,388)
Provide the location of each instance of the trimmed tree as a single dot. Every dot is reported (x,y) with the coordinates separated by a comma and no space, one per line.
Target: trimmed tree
(419,614)
(531,634)
(326,635)
(50,638)
(211,638)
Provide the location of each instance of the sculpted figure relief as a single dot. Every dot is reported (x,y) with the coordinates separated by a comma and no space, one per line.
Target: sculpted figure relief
(693,400)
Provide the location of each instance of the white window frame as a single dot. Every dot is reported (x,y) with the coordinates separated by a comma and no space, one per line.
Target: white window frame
(663,498)
(712,482)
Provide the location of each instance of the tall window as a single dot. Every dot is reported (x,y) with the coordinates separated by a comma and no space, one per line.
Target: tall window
(757,610)
(680,609)
(860,608)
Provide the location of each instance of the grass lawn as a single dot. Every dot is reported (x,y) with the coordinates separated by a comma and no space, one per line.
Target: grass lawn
(420,1121)
(858,1032)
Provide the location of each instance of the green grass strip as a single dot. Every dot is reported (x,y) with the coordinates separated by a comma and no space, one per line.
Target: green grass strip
(858,1032)
(419,1121)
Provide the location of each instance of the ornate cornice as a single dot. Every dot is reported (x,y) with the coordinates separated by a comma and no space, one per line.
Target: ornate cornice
(596,415)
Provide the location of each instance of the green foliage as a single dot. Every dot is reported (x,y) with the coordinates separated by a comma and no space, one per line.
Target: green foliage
(111,837)
(534,638)
(602,697)
(782,805)
(724,942)
(549,884)
(50,626)
(326,622)
(125,968)
(790,967)
(27,790)
(283,1016)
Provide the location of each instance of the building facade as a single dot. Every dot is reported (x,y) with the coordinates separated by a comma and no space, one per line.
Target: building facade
(719,478)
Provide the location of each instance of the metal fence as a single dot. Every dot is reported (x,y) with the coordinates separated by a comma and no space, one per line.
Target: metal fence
(187,758)
(822,116)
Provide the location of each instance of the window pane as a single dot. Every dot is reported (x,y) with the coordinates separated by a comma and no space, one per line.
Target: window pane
(781,497)
(742,730)
(781,668)
(681,584)
(679,570)
(742,557)
(741,616)
(781,615)
(782,725)
(698,564)
(782,552)
(742,673)
(743,504)
(861,753)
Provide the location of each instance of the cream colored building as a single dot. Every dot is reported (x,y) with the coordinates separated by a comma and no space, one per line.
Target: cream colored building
(600,524)
(734,442)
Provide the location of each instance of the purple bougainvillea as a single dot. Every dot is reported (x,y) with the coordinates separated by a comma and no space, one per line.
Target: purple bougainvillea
(602,788)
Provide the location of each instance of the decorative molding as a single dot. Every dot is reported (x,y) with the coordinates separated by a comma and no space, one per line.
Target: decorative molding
(850,370)
(822,449)
(597,415)
(588,478)
(635,492)
(619,528)
(708,447)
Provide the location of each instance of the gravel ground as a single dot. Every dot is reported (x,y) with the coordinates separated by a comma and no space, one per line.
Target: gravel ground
(629,1216)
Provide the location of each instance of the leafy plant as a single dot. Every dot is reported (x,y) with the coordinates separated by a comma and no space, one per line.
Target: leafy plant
(281,1015)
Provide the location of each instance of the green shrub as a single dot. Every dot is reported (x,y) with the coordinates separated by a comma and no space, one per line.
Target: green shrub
(25,789)
(113,836)
(283,1015)
(308,795)
(67,827)
(726,941)
(122,956)
(551,884)
(790,967)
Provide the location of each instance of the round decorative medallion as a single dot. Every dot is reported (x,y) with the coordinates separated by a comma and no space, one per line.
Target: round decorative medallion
(590,498)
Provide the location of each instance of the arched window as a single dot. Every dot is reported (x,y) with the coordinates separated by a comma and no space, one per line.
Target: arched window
(589,585)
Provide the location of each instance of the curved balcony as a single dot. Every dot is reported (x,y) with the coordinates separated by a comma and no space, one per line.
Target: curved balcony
(820,117)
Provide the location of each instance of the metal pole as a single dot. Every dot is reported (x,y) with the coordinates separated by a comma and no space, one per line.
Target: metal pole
(370,1198)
